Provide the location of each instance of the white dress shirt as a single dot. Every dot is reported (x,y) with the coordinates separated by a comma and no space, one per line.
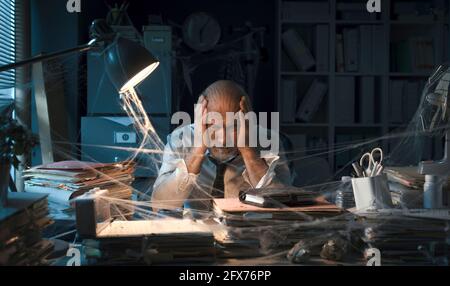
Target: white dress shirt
(176,187)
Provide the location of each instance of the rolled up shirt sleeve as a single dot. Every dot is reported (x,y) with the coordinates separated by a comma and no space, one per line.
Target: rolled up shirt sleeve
(266,180)
(174,183)
(277,175)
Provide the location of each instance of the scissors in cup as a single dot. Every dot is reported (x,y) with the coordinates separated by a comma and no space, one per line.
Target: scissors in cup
(374,167)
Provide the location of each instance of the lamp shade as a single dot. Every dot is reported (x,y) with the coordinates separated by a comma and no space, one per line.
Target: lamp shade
(128,63)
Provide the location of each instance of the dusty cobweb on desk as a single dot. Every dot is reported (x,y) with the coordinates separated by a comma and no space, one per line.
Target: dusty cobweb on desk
(330,236)
(264,237)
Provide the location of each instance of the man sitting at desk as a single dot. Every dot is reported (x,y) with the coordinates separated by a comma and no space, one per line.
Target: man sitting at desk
(193,174)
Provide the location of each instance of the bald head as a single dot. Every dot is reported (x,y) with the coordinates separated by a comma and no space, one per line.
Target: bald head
(224,96)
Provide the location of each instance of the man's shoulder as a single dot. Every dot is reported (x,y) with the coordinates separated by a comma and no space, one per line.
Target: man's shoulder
(186,129)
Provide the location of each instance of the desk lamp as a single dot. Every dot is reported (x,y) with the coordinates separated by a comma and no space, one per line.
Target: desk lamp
(127,62)
(435,118)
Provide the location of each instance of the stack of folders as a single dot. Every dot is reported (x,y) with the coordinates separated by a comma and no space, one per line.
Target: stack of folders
(406,186)
(63,181)
(406,176)
(405,240)
(163,241)
(250,230)
(21,225)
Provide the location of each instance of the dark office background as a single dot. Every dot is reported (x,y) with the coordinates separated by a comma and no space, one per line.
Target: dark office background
(54,29)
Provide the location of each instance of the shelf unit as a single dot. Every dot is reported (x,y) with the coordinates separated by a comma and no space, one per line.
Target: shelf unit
(391,27)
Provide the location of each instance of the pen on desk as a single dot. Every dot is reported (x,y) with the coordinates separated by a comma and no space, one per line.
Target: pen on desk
(359,172)
(380,170)
(374,169)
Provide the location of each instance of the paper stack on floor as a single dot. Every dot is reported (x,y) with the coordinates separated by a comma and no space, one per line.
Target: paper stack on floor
(63,181)
(152,242)
(251,231)
(21,225)
(406,240)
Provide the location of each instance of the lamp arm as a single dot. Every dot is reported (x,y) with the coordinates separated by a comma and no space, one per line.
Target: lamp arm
(79,49)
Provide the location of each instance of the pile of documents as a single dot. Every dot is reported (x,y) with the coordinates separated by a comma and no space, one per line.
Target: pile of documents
(152,242)
(63,181)
(406,176)
(406,186)
(21,225)
(403,239)
(250,230)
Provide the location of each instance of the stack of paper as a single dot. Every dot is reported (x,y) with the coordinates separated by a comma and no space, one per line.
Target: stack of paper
(63,181)
(406,240)
(406,197)
(406,186)
(263,230)
(406,176)
(21,225)
(153,242)
(232,211)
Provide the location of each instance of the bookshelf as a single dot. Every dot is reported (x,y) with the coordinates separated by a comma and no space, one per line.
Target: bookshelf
(400,27)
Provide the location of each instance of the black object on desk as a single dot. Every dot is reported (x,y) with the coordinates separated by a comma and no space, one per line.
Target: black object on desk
(277,197)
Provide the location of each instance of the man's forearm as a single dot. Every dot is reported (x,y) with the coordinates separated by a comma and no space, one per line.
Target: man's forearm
(195,160)
(256,166)
(169,192)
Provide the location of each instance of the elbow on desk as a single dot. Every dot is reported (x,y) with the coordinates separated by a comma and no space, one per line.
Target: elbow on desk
(162,199)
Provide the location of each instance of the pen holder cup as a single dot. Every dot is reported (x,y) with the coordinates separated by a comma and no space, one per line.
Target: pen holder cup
(372,193)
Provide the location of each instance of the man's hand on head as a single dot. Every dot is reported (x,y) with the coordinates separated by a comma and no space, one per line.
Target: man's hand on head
(256,166)
(245,104)
(243,130)
(200,124)
(195,159)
